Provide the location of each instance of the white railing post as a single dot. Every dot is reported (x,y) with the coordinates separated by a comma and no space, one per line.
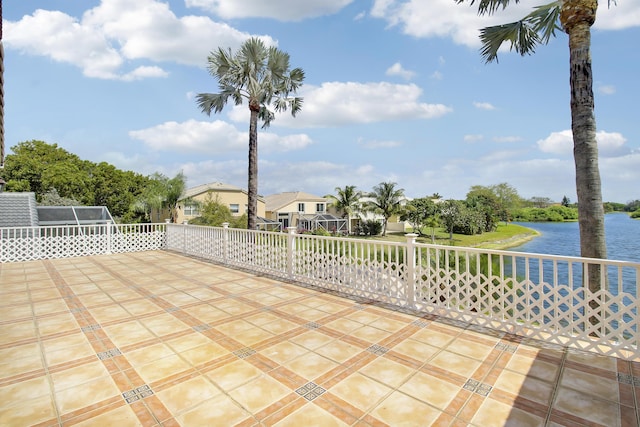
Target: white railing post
(108,237)
(225,242)
(410,279)
(291,246)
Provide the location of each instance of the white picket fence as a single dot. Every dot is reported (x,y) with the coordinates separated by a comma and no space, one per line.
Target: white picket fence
(530,295)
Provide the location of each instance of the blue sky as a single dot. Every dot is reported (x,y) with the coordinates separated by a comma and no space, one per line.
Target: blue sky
(395,90)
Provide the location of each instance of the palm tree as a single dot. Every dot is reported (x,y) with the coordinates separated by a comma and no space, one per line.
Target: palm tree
(261,75)
(386,201)
(347,201)
(575,17)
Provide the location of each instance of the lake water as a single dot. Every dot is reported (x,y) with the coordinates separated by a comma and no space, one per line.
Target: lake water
(563,238)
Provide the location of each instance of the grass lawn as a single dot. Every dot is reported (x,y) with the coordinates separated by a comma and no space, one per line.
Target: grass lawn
(506,236)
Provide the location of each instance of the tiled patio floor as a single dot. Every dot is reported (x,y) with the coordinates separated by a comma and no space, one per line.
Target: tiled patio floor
(155,338)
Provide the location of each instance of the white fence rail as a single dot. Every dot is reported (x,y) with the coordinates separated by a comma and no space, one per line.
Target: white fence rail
(531,295)
(33,243)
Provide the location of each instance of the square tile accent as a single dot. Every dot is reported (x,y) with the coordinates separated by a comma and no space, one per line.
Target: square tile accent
(137,393)
(310,391)
(202,327)
(77,309)
(420,323)
(90,328)
(312,325)
(625,378)
(171,309)
(506,347)
(477,387)
(109,353)
(378,350)
(244,352)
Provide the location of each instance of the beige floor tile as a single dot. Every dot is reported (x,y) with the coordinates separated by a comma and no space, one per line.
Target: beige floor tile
(140,307)
(17,331)
(109,313)
(279,326)
(402,410)
(79,375)
(311,340)
(587,383)
(123,416)
(388,325)
(310,415)
(364,317)
(179,298)
(433,338)
(218,411)
(186,342)
(387,372)
(147,355)
(18,311)
(95,299)
(234,327)
(532,367)
(470,349)
(29,412)
(416,349)
(455,363)
(310,365)
(343,325)
(338,351)
(206,313)
(284,352)
(68,341)
(259,393)
(593,360)
(164,324)
(361,392)
(186,395)
(524,386)
(203,353)
(204,294)
(494,413)
(370,334)
(68,354)
(163,368)
(430,389)
(55,324)
(252,336)
(586,406)
(86,394)
(234,374)
(235,308)
(14,394)
(128,333)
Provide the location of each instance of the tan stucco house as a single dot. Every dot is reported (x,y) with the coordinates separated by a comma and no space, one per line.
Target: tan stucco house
(302,210)
(235,198)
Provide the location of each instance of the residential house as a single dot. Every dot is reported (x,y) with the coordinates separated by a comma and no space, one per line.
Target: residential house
(304,211)
(393,225)
(235,198)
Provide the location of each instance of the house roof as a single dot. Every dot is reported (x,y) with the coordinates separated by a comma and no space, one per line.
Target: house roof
(275,202)
(212,186)
(18,210)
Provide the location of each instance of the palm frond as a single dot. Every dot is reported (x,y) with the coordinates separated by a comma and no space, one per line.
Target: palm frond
(489,7)
(208,102)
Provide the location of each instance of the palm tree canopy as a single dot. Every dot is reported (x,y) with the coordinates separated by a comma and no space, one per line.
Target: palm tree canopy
(255,73)
(346,199)
(386,198)
(524,35)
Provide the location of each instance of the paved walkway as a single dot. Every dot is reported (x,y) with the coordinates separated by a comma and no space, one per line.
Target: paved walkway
(157,339)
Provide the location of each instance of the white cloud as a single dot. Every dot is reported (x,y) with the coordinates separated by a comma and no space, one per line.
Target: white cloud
(484,106)
(610,144)
(213,138)
(461,23)
(115,32)
(376,144)
(606,89)
(397,70)
(282,10)
(339,104)
(437,75)
(473,138)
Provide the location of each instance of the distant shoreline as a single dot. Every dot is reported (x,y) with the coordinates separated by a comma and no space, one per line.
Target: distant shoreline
(511,242)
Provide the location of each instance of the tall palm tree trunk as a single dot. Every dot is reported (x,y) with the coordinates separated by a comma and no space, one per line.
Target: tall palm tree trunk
(576,18)
(252,185)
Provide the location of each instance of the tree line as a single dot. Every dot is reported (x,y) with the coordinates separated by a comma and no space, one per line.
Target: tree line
(60,178)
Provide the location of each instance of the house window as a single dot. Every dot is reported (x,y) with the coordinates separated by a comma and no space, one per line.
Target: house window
(234,208)
(300,207)
(191,210)
(319,207)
